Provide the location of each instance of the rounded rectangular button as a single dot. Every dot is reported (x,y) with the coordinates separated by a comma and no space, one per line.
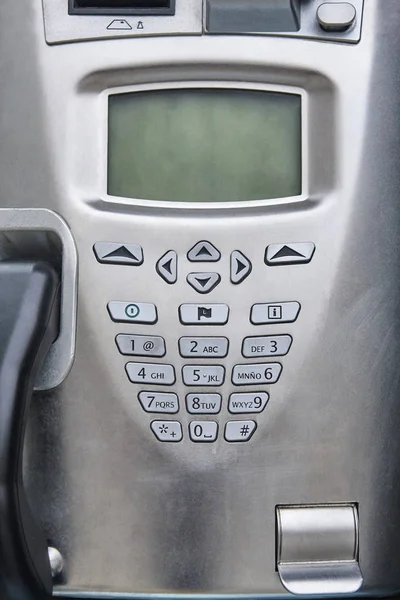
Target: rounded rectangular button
(167,431)
(209,347)
(239,431)
(202,375)
(269,345)
(118,254)
(203,404)
(159,402)
(204,314)
(203,431)
(276,312)
(248,402)
(256,374)
(155,374)
(140,345)
(132,312)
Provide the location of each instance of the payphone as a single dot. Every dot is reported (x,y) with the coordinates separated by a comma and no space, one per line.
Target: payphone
(200,199)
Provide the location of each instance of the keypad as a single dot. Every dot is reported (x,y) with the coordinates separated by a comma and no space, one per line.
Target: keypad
(248,402)
(203,404)
(140,345)
(203,431)
(203,375)
(255,374)
(167,431)
(246,388)
(159,402)
(203,347)
(269,345)
(155,374)
(239,431)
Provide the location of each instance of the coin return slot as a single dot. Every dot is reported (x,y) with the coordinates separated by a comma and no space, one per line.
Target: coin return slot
(317,549)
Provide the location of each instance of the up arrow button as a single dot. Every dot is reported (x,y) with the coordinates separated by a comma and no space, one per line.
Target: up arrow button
(204,252)
(203,282)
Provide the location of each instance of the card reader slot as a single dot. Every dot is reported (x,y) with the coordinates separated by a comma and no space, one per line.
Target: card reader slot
(122,7)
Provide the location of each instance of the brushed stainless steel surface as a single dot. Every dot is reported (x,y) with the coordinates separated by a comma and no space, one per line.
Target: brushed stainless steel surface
(200,518)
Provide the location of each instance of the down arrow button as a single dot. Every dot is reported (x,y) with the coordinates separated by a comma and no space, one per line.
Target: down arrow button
(203,282)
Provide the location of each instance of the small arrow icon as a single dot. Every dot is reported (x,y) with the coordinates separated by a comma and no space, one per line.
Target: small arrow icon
(204,252)
(119,24)
(287,251)
(240,267)
(167,266)
(121,252)
(203,282)
(140,25)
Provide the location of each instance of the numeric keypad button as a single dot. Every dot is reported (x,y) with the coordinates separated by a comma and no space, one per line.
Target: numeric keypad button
(239,431)
(155,374)
(203,431)
(159,402)
(203,375)
(256,374)
(204,347)
(140,345)
(274,312)
(248,402)
(269,345)
(132,312)
(203,404)
(167,431)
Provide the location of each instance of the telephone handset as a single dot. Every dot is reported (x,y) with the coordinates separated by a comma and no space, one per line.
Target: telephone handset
(29,324)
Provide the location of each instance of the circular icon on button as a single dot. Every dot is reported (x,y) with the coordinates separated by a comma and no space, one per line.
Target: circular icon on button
(132,311)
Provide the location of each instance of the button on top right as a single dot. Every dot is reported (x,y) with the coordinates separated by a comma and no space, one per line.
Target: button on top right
(289,254)
(336,16)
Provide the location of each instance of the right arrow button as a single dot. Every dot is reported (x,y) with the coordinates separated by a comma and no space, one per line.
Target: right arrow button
(240,267)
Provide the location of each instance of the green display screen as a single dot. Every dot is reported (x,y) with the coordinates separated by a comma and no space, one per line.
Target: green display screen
(204,145)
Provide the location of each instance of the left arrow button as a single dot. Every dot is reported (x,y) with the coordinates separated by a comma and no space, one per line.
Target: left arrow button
(167,266)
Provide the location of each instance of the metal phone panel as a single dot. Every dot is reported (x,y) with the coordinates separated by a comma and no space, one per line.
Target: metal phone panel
(133,515)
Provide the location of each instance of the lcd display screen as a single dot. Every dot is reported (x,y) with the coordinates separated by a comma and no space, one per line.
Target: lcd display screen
(204,145)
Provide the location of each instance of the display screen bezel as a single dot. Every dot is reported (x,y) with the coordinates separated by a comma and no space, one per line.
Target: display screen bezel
(208,85)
